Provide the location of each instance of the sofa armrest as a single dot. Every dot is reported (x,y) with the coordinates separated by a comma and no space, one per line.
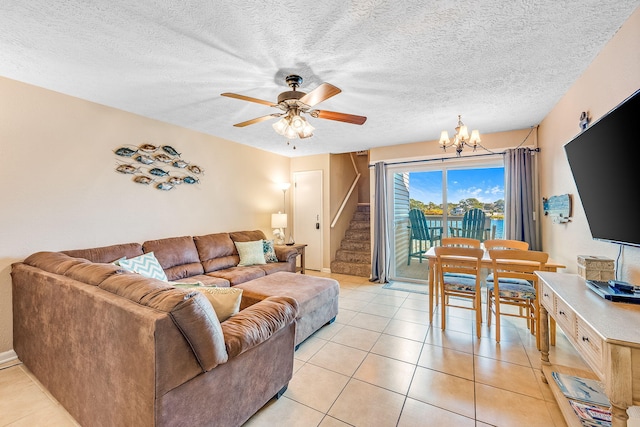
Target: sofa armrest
(285,253)
(255,324)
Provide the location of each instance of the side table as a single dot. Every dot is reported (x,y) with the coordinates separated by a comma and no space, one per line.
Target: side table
(300,248)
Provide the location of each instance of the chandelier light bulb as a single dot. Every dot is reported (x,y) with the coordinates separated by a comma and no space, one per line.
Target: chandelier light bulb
(444,138)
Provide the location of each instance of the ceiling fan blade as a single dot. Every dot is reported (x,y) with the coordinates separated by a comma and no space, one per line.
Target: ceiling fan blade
(319,94)
(256,120)
(248,98)
(341,117)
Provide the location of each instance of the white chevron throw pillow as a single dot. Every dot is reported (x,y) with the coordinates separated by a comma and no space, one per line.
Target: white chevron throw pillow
(146,265)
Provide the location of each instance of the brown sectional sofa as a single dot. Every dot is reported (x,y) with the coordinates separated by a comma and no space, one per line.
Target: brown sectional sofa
(116,348)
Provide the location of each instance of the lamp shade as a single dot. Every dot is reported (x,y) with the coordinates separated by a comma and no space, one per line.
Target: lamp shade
(279,220)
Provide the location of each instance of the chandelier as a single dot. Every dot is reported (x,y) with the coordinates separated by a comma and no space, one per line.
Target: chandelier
(293,125)
(461,138)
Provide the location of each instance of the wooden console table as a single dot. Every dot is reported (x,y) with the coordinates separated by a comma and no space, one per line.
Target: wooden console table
(606,334)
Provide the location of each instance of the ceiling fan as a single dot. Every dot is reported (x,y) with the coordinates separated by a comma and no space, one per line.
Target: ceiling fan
(293,104)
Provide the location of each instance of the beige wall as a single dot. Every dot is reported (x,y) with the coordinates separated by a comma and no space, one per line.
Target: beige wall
(498,141)
(613,76)
(59,189)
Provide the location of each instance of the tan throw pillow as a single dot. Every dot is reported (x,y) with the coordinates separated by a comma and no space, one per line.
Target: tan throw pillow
(251,253)
(225,301)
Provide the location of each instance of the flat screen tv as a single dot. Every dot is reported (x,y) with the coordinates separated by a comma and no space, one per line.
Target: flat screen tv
(605,163)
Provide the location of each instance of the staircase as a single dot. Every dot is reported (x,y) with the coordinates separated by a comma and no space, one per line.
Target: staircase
(354,256)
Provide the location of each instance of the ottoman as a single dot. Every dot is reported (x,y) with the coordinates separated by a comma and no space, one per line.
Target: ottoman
(317,298)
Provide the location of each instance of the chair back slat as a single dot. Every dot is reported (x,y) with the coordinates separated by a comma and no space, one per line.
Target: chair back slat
(517,264)
(505,244)
(461,242)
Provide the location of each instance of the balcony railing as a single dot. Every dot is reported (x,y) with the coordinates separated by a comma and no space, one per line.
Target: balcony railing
(494,227)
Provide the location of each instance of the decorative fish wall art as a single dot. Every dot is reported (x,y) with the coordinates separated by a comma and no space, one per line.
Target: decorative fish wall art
(156,166)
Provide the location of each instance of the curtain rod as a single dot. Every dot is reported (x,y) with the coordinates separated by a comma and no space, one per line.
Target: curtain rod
(443,159)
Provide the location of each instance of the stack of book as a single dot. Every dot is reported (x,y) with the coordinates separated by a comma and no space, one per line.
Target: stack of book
(587,399)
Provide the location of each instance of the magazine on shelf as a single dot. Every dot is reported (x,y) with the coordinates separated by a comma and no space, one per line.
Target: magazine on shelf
(582,389)
(591,415)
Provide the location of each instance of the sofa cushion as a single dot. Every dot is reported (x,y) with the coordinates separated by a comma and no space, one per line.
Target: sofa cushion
(146,265)
(178,256)
(197,321)
(274,267)
(251,253)
(257,323)
(216,251)
(311,293)
(53,262)
(92,273)
(236,275)
(107,254)
(206,280)
(247,236)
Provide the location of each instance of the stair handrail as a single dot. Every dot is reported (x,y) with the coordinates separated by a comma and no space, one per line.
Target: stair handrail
(348,195)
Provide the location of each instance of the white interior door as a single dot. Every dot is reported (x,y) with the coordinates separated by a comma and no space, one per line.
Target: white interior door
(307,215)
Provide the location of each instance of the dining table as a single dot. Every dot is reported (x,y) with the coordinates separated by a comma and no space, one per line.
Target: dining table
(486,266)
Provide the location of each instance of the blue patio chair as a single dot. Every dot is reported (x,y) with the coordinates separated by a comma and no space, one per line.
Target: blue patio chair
(473,225)
(421,233)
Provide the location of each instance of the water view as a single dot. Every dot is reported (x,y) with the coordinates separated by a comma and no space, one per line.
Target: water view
(442,199)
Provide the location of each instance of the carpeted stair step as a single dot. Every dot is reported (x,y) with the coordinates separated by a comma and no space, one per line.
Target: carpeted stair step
(359,225)
(353,256)
(362,216)
(351,268)
(356,245)
(364,235)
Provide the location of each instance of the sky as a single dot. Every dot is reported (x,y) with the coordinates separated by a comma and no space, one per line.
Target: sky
(486,185)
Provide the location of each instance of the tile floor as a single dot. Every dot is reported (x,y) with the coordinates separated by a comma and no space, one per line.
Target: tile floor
(380,364)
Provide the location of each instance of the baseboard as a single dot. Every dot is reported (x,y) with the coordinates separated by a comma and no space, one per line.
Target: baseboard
(326,270)
(8,356)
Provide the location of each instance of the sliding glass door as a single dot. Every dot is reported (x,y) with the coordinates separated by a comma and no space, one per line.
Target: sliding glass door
(430,201)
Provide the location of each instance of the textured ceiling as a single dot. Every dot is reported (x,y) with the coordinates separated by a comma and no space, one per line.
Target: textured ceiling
(411,67)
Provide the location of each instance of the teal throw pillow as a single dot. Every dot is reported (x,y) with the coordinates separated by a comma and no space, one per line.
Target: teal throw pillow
(269,251)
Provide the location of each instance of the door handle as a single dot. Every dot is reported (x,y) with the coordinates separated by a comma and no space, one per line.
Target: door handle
(317,226)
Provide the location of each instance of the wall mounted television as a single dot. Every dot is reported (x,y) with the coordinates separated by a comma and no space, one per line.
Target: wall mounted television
(605,163)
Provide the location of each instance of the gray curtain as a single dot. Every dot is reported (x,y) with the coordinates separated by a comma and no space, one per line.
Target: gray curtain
(380,263)
(520,199)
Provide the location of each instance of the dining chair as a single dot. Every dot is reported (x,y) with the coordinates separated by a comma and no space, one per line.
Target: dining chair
(464,242)
(515,284)
(460,242)
(506,244)
(458,276)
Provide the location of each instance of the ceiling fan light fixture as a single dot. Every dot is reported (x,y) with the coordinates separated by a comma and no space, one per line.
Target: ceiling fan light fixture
(307,131)
(293,103)
(280,126)
(290,133)
(298,123)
